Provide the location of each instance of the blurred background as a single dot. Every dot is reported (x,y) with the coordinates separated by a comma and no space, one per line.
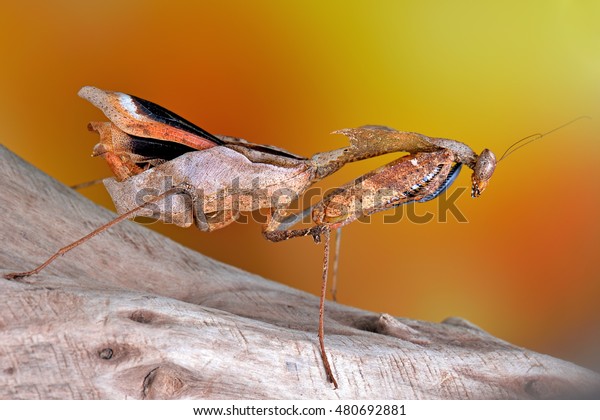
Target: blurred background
(524,267)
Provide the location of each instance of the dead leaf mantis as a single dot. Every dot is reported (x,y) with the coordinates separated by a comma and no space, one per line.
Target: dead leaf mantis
(194,177)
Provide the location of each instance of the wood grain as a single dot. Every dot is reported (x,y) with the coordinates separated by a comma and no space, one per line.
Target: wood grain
(132,314)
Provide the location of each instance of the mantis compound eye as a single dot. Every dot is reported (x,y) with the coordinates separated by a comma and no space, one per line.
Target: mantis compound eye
(483,171)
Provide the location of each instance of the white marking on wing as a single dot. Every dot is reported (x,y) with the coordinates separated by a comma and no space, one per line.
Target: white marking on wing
(130,107)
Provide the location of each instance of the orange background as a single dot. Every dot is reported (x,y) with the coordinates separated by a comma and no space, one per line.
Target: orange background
(525,267)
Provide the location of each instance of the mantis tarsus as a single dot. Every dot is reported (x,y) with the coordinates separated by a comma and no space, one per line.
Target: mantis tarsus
(194,177)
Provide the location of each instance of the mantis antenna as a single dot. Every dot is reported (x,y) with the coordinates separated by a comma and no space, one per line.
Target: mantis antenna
(529,139)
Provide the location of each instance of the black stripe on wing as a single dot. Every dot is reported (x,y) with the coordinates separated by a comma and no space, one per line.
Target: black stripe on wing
(158,149)
(164,116)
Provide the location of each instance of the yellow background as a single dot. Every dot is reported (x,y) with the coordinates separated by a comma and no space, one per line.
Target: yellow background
(525,267)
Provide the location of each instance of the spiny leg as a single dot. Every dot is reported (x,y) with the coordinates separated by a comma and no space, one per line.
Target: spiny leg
(284,235)
(64,250)
(336,263)
(326,234)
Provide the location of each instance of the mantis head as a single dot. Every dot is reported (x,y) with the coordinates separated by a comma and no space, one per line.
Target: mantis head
(483,171)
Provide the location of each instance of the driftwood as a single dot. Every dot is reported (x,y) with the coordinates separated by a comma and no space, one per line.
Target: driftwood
(131,314)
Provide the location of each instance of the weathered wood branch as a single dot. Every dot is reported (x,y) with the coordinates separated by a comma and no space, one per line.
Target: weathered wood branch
(131,314)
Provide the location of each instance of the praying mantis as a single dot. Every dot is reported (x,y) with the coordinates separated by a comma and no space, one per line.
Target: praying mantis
(194,177)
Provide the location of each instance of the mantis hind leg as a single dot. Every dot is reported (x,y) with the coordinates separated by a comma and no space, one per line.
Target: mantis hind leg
(126,215)
(278,229)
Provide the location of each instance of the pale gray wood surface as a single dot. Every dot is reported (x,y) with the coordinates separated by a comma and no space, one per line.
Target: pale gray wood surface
(131,314)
